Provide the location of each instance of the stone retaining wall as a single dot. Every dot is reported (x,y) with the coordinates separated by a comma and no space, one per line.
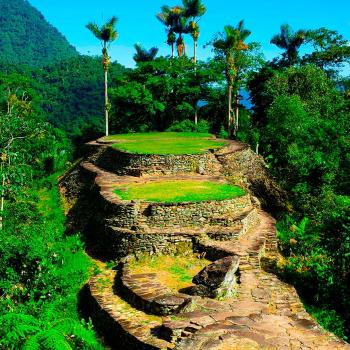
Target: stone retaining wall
(117,243)
(147,215)
(124,163)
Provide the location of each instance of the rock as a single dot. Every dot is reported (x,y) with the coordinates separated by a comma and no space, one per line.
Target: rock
(218,279)
(198,290)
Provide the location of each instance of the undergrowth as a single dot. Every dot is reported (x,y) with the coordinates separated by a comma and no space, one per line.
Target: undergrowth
(42,272)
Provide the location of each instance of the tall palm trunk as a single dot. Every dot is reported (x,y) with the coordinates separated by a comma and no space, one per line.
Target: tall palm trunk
(105,67)
(230,128)
(195,70)
(195,51)
(172,50)
(2,200)
(236,115)
(106,102)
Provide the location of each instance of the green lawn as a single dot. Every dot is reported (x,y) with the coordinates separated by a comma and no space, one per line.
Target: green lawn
(165,142)
(169,191)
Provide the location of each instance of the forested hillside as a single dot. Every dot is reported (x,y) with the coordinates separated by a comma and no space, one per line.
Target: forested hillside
(52,101)
(27,38)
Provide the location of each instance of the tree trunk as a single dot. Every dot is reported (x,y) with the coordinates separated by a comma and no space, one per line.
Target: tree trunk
(195,52)
(2,201)
(230,128)
(172,50)
(106,101)
(195,70)
(236,114)
(179,50)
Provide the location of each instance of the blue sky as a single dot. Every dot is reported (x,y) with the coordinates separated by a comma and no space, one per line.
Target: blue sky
(137,22)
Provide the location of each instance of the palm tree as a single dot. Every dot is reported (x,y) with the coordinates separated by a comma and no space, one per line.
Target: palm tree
(194,9)
(171,40)
(169,18)
(230,44)
(181,28)
(106,34)
(175,22)
(289,41)
(143,55)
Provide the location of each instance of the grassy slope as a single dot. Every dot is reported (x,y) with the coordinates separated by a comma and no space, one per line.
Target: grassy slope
(179,191)
(176,272)
(166,142)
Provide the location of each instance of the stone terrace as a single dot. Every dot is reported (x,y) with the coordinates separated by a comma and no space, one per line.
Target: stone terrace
(265,312)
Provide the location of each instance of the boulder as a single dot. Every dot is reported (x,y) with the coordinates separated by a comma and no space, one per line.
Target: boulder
(219,279)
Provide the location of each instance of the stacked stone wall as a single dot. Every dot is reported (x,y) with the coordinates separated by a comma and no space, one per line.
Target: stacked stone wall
(124,163)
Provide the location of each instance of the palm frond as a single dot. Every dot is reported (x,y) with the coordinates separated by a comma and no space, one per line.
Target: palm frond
(112,22)
(193,8)
(144,55)
(107,32)
(220,44)
(94,29)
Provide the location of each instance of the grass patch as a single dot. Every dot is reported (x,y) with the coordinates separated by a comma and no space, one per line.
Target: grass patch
(176,272)
(165,142)
(170,191)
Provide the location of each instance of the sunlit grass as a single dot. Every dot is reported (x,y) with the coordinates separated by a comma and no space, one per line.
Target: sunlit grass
(165,142)
(176,272)
(169,191)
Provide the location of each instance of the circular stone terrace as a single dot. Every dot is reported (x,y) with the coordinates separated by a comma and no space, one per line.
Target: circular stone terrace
(165,190)
(170,201)
(165,143)
(160,153)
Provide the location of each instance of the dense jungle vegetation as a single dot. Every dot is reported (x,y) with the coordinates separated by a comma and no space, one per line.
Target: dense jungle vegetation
(51,101)
(26,38)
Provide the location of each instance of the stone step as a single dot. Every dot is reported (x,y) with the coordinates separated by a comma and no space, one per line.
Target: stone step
(238,227)
(146,293)
(251,243)
(121,323)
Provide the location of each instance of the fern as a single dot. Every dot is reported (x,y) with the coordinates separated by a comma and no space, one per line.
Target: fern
(79,333)
(32,343)
(54,340)
(15,327)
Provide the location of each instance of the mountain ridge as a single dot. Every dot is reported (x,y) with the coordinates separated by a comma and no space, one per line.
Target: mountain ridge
(26,37)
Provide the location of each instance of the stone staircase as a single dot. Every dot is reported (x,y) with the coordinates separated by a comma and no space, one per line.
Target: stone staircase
(136,311)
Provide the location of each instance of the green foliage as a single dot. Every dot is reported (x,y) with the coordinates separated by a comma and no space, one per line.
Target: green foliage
(303,122)
(29,147)
(42,272)
(307,116)
(331,50)
(178,191)
(68,94)
(189,126)
(329,319)
(143,55)
(22,40)
(41,269)
(291,42)
(162,92)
